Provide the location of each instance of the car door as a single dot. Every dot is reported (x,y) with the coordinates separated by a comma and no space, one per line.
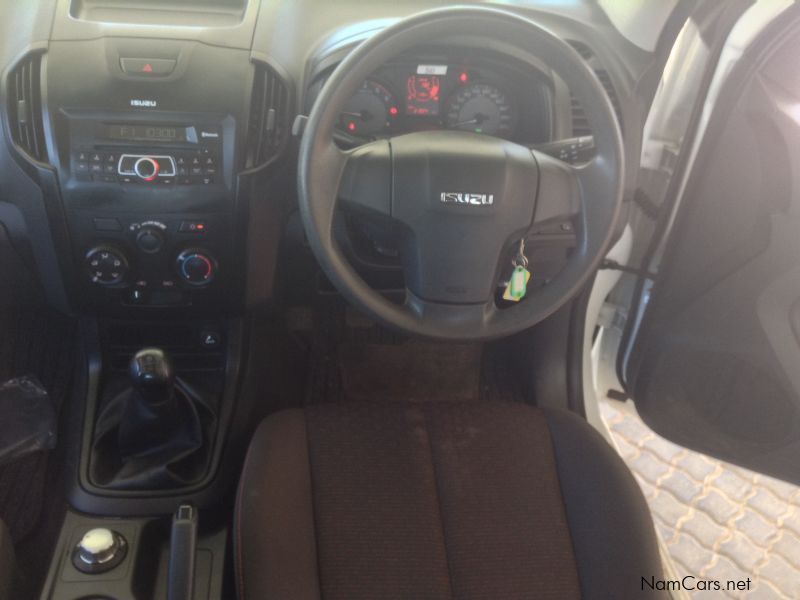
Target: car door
(711,355)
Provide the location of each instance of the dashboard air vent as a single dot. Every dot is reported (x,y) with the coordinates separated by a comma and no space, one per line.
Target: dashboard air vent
(269,126)
(580,125)
(25,107)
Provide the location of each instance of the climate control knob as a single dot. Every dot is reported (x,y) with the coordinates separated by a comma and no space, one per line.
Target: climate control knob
(106,265)
(150,240)
(196,267)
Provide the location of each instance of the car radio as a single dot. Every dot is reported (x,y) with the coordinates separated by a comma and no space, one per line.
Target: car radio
(145,153)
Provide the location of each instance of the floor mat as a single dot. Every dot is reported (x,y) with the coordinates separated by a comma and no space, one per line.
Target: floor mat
(39,343)
(354,359)
(415,370)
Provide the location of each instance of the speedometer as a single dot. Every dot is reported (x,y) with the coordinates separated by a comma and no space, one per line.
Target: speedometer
(371,110)
(481,108)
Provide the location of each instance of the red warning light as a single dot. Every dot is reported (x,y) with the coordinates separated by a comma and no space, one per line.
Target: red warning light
(464,77)
(148,68)
(351,126)
(200,227)
(393,111)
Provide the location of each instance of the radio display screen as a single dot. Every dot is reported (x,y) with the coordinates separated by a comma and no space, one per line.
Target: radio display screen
(145,133)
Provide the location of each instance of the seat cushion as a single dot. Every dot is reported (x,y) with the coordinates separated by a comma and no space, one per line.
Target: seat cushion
(438,500)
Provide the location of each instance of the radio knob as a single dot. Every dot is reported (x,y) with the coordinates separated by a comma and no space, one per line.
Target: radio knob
(150,240)
(147,168)
(196,267)
(106,265)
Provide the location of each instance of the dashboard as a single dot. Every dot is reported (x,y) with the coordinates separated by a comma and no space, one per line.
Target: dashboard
(147,163)
(445,89)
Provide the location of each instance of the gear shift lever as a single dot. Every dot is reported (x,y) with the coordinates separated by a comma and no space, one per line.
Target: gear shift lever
(152,413)
(153,376)
(156,433)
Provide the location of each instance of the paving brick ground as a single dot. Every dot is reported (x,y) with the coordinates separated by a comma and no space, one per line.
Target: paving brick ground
(716,520)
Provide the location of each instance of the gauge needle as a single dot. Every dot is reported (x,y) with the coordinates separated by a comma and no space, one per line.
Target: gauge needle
(364,115)
(476,120)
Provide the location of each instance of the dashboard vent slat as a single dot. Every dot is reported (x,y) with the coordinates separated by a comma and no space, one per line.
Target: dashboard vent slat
(580,124)
(268,127)
(25,107)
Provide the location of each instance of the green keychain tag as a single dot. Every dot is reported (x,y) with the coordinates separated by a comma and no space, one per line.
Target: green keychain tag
(517,285)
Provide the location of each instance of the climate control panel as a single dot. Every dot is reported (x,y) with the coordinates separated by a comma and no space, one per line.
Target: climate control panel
(127,261)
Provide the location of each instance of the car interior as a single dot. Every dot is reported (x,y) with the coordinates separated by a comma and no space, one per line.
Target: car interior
(303,299)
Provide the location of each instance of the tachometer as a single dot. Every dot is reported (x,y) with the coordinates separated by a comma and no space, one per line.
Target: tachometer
(481,108)
(371,110)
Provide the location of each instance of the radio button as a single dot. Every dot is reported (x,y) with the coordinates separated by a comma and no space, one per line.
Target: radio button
(95,168)
(82,167)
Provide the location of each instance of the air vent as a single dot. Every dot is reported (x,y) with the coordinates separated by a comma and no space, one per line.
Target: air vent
(25,107)
(269,126)
(580,124)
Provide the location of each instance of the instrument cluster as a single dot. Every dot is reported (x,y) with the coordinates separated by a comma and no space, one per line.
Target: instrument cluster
(480,96)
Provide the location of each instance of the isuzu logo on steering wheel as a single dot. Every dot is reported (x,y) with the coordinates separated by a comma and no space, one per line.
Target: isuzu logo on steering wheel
(474,199)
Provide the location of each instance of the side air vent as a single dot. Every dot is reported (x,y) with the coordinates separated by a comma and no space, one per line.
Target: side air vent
(269,126)
(25,107)
(580,125)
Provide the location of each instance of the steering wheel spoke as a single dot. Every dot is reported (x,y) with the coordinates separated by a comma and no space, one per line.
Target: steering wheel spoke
(366,181)
(559,196)
(450,316)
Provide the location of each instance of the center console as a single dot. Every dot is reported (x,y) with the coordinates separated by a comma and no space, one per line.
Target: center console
(148,150)
(153,160)
(149,141)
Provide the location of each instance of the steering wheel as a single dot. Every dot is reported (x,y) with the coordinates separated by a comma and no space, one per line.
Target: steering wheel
(452,250)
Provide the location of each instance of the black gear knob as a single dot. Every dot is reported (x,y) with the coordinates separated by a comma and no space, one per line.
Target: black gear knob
(153,375)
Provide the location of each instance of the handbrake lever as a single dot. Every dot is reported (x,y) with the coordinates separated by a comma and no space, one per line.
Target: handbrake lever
(182,551)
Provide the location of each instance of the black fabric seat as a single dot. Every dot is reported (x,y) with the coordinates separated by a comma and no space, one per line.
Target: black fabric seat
(439,500)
